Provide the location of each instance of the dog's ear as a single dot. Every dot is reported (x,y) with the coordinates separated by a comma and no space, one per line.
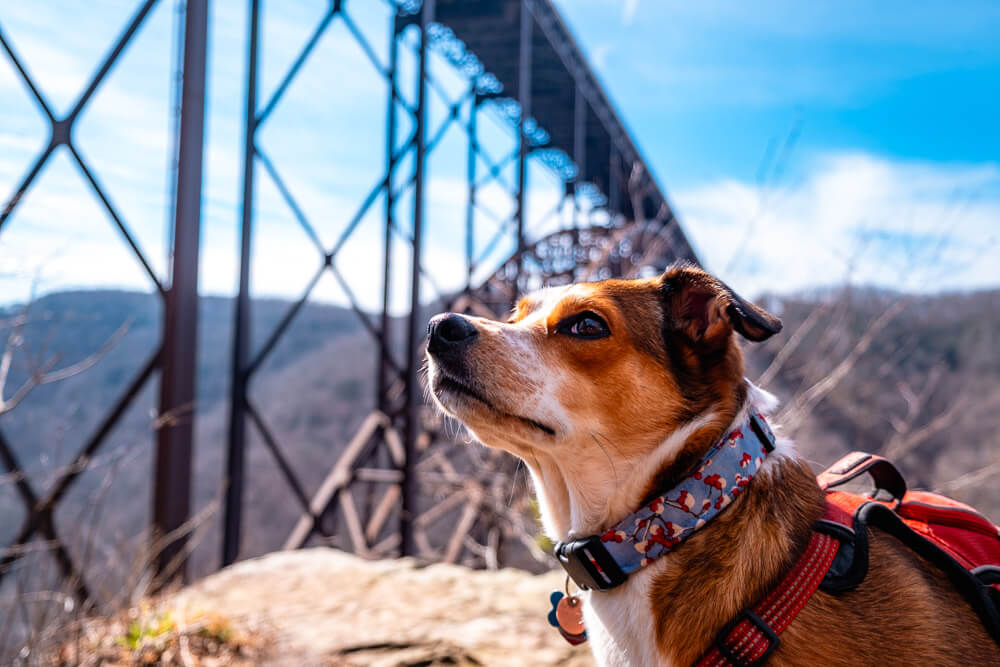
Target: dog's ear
(706,311)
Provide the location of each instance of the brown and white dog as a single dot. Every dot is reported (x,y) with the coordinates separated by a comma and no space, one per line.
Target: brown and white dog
(610,392)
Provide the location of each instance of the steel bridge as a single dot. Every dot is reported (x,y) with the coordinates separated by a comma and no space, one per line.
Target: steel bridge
(397,478)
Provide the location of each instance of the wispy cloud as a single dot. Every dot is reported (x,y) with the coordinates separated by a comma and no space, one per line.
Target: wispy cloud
(327,140)
(600,54)
(853,216)
(629,8)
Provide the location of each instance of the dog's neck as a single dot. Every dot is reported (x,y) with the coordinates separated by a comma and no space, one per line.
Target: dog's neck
(764,530)
(583,495)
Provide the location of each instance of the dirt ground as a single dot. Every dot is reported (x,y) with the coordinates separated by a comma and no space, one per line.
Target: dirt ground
(325,607)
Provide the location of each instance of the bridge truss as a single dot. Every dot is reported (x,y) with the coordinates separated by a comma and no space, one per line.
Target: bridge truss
(401,485)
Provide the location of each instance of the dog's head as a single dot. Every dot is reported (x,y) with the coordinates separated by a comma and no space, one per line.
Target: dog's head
(606,369)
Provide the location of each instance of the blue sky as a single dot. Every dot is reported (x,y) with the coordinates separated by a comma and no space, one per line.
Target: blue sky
(802,144)
(711,83)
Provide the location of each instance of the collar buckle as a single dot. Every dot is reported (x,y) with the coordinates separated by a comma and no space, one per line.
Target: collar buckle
(762,431)
(727,638)
(589,564)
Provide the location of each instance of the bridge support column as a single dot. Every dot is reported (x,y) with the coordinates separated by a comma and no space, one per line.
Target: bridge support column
(524,100)
(382,375)
(614,184)
(172,489)
(232,521)
(470,205)
(414,397)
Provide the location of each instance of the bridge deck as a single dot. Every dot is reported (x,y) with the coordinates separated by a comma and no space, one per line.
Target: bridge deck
(591,135)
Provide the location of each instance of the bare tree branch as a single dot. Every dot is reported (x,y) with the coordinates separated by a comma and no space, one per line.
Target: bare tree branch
(44,372)
(804,404)
(792,344)
(972,478)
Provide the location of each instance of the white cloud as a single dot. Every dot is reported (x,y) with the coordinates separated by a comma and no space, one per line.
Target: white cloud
(803,236)
(629,8)
(908,226)
(600,55)
(64,240)
(853,216)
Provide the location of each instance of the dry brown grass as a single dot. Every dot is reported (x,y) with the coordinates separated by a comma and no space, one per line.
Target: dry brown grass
(161,634)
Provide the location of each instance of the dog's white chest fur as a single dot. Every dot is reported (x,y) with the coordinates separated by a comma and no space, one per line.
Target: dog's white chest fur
(620,624)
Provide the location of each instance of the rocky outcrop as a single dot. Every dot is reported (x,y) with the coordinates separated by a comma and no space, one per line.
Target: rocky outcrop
(321,606)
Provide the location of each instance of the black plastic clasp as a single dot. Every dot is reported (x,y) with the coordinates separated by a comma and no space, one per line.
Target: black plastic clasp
(589,564)
(762,431)
(773,641)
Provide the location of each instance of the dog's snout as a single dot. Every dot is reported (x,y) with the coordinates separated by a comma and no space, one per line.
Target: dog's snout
(448,332)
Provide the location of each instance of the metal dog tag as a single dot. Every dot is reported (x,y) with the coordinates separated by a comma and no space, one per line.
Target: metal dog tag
(569,613)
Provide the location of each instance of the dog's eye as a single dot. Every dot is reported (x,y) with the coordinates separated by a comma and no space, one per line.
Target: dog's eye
(585,325)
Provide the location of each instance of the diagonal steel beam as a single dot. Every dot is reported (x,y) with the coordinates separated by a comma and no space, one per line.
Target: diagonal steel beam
(284,465)
(292,203)
(61,129)
(109,60)
(283,324)
(297,65)
(370,199)
(116,218)
(9,459)
(364,43)
(494,171)
(36,518)
(25,77)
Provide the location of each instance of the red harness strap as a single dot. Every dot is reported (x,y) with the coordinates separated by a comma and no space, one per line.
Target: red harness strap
(753,635)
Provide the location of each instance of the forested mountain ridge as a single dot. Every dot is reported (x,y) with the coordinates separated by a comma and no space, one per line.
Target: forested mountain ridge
(922,385)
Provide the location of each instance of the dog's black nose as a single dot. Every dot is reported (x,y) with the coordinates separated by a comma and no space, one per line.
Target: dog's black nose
(449,332)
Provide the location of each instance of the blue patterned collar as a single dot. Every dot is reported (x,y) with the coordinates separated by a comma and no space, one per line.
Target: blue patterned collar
(602,562)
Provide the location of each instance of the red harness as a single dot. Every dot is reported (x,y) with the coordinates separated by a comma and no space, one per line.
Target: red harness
(964,544)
